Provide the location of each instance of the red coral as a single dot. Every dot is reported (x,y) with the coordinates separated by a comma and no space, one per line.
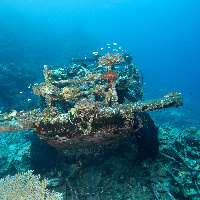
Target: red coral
(110,75)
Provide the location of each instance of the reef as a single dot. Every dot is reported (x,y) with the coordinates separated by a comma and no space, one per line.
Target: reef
(87,105)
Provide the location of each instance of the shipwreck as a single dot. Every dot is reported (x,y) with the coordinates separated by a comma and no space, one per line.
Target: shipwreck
(91,105)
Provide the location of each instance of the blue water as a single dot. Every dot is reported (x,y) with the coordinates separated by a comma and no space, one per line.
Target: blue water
(162,36)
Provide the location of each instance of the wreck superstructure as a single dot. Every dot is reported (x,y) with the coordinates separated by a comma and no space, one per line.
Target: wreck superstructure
(89,105)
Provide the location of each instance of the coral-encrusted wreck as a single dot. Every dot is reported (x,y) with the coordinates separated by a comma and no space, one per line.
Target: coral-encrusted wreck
(87,106)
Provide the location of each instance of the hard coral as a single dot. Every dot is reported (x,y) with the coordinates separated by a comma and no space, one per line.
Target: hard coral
(44,89)
(87,105)
(69,93)
(111,59)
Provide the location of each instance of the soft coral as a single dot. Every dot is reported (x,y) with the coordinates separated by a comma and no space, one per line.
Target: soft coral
(111,75)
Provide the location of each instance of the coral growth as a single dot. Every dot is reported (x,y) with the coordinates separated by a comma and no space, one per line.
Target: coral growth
(110,75)
(26,186)
(111,59)
(45,89)
(69,92)
(87,105)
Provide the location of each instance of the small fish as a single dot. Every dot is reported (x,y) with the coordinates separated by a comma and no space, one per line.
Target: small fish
(12,113)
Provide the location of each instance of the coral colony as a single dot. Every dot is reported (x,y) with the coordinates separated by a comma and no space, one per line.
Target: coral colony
(86,105)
